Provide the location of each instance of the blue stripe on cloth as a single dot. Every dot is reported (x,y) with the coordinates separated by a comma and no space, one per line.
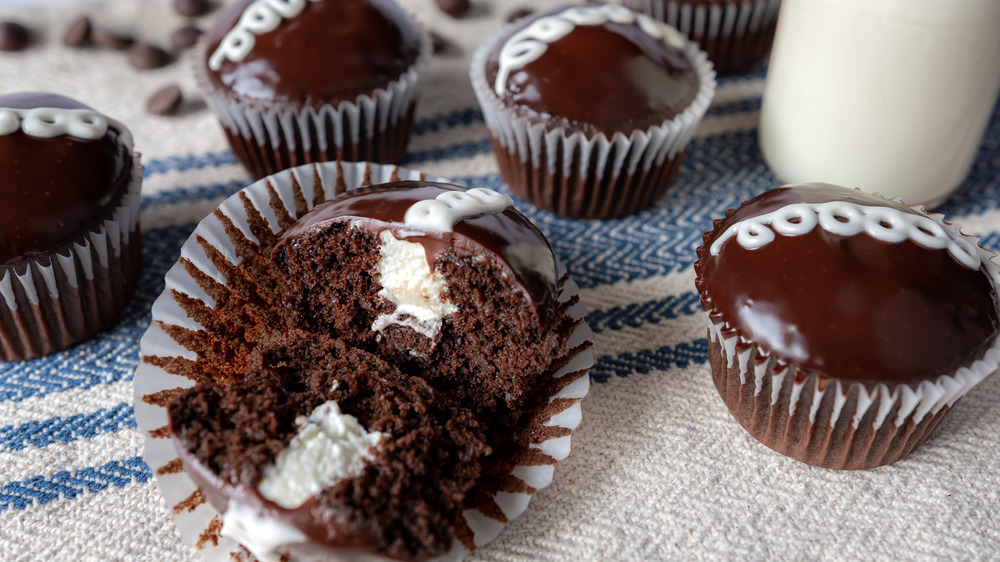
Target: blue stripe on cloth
(63,484)
(195,193)
(649,312)
(193,162)
(68,429)
(642,362)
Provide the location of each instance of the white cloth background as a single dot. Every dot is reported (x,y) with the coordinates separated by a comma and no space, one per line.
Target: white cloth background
(659,469)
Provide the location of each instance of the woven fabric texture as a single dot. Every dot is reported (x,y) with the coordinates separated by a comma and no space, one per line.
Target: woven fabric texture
(659,469)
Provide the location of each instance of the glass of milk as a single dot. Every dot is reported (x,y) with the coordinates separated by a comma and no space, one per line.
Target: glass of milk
(890,96)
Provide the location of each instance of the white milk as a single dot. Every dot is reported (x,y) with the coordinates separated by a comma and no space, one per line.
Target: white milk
(890,96)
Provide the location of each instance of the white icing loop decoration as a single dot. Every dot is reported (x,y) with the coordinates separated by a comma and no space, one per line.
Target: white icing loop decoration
(445,210)
(51,122)
(849,219)
(530,43)
(259,17)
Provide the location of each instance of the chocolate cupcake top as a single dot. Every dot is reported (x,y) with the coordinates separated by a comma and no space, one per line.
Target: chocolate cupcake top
(310,51)
(442,217)
(595,68)
(64,166)
(848,285)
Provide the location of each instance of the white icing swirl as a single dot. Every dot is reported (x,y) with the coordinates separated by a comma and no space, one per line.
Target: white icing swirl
(530,43)
(259,17)
(849,219)
(51,122)
(445,210)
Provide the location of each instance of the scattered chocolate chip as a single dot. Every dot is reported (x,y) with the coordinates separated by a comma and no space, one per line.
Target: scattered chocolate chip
(78,33)
(454,8)
(192,8)
(518,14)
(110,40)
(146,57)
(438,42)
(165,101)
(184,37)
(13,36)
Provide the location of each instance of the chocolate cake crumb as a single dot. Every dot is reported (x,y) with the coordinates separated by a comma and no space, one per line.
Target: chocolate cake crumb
(428,461)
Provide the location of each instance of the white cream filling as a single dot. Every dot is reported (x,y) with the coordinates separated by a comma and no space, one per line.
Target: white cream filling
(330,445)
(262,536)
(408,282)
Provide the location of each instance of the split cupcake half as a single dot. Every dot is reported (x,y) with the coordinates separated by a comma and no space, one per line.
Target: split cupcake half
(423,330)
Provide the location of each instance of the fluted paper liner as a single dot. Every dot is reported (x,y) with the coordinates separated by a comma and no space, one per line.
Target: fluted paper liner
(214,282)
(735,33)
(833,423)
(600,177)
(270,136)
(51,301)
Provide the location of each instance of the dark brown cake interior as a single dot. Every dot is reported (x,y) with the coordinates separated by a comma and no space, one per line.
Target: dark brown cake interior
(487,356)
(404,503)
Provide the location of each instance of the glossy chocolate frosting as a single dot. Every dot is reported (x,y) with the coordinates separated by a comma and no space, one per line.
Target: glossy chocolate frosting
(53,187)
(600,78)
(852,307)
(334,50)
(508,237)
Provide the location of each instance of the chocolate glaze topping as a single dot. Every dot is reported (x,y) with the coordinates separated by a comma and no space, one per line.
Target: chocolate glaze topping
(334,50)
(508,237)
(852,307)
(600,78)
(53,187)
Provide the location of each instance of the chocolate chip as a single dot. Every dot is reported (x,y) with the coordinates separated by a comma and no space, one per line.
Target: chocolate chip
(518,14)
(454,8)
(110,40)
(192,8)
(146,57)
(13,36)
(165,101)
(78,33)
(184,37)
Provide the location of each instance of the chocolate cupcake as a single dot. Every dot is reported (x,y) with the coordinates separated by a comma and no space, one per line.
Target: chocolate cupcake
(299,82)
(736,34)
(590,108)
(844,327)
(324,449)
(70,248)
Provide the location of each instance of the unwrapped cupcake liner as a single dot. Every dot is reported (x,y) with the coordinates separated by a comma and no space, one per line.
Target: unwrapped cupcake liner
(271,136)
(599,177)
(836,423)
(735,33)
(58,298)
(213,285)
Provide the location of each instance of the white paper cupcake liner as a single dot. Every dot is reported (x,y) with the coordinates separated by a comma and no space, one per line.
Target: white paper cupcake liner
(50,303)
(556,164)
(270,136)
(272,203)
(883,422)
(734,33)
